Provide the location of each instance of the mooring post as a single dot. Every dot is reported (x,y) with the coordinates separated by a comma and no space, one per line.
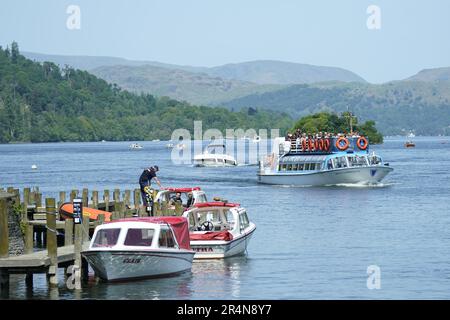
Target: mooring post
(137,201)
(85,223)
(26,202)
(95,199)
(106,199)
(73,194)
(126,199)
(52,246)
(38,198)
(77,251)
(116,198)
(85,197)
(62,198)
(4,231)
(68,232)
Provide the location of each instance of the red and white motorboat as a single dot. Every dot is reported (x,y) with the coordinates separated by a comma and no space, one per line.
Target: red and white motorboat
(218,229)
(140,247)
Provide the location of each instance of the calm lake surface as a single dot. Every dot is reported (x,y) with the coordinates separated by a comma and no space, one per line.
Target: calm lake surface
(310,243)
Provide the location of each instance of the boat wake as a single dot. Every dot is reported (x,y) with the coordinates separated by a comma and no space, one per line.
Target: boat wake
(363,185)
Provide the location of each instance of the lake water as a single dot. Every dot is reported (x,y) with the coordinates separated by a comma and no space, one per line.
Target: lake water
(310,243)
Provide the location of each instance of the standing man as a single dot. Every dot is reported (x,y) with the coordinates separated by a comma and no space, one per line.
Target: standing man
(145,181)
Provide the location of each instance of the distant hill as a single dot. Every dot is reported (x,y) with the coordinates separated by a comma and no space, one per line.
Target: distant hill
(197,88)
(429,75)
(41,102)
(280,72)
(395,106)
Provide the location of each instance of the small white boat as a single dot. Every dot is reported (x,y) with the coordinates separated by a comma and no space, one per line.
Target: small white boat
(208,159)
(180,146)
(219,229)
(256,139)
(170,145)
(140,248)
(135,146)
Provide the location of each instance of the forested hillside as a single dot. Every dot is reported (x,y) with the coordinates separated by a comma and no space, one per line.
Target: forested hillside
(42,102)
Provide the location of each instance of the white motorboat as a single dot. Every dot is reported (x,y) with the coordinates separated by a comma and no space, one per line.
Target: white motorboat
(170,145)
(214,159)
(140,247)
(135,146)
(321,162)
(219,229)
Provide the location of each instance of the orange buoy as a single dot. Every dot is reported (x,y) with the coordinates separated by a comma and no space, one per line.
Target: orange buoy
(344,146)
(362,143)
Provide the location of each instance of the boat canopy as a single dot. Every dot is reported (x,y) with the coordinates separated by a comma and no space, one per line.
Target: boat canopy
(302,159)
(182,189)
(179,226)
(216,204)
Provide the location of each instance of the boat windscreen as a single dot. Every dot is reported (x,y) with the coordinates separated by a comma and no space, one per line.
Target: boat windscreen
(302,159)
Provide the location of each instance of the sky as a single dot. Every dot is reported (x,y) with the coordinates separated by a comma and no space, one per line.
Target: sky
(412,35)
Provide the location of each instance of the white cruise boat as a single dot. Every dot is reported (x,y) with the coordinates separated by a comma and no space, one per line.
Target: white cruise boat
(321,162)
(140,247)
(216,159)
(219,229)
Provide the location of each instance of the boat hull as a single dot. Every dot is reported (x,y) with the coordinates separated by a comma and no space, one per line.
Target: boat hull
(359,175)
(219,249)
(127,265)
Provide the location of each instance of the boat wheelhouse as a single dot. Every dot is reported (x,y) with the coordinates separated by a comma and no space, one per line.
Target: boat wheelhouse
(219,229)
(140,247)
(319,162)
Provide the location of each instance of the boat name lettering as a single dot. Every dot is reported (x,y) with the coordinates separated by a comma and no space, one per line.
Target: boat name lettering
(131,260)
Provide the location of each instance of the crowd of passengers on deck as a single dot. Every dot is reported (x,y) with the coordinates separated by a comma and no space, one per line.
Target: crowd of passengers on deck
(321,141)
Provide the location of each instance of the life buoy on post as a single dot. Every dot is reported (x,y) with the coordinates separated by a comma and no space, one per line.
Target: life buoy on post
(362,143)
(341,146)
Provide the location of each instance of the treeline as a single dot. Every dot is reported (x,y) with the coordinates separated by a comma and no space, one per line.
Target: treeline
(333,123)
(46,103)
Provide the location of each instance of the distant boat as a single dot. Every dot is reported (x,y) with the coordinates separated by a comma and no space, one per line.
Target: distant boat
(155,140)
(207,159)
(170,145)
(256,139)
(135,146)
(410,143)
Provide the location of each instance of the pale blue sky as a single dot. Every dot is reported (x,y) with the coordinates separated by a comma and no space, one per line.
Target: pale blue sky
(414,34)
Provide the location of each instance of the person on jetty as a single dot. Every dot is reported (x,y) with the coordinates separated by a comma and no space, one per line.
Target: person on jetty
(145,180)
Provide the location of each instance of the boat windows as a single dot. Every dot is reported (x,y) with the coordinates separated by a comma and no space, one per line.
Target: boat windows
(340,162)
(243,220)
(230,219)
(357,161)
(106,238)
(374,160)
(139,237)
(166,239)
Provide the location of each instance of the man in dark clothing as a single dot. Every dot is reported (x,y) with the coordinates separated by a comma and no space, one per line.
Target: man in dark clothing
(145,180)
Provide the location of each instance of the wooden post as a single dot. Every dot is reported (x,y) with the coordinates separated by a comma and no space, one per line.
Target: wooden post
(52,246)
(106,199)
(85,197)
(73,194)
(68,232)
(116,198)
(62,198)
(4,283)
(85,223)
(26,202)
(126,199)
(95,199)
(38,199)
(29,235)
(137,201)
(100,219)
(77,251)
(4,232)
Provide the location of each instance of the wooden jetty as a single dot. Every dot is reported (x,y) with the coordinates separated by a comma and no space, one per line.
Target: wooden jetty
(41,226)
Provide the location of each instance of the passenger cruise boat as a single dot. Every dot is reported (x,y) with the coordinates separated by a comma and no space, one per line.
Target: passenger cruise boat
(320,162)
(219,229)
(216,159)
(140,247)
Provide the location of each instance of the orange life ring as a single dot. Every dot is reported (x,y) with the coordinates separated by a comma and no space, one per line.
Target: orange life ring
(342,147)
(321,144)
(304,145)
(326,145)
(317,144)
(364,144)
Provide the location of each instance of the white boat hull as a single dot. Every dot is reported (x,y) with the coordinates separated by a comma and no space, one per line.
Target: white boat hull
(219,249)
(358,175)
(122,265)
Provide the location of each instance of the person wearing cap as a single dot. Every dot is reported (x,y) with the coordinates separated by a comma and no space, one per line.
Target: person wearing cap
(145,180)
